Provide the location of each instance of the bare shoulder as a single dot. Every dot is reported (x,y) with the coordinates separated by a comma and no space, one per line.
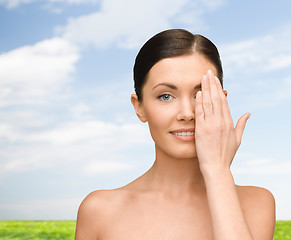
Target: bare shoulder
(252,193)
(99,199)
(94,211)
(95,202)
(255,198)
(258,205)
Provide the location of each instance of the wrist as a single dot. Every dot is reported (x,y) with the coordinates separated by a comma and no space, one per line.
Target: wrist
(215,172)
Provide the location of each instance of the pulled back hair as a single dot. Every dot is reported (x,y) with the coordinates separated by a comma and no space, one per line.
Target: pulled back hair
(172,43)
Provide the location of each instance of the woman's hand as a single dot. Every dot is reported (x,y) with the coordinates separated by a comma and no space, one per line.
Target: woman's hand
(216,138)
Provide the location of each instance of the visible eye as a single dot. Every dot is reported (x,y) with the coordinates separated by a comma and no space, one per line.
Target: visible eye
(165,97)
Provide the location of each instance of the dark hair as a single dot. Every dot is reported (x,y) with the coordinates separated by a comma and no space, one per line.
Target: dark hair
(172,43)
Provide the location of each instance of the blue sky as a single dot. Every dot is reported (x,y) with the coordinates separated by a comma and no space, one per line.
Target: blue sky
(66,123)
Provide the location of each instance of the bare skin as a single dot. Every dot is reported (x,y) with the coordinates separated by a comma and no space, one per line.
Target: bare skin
(189,193)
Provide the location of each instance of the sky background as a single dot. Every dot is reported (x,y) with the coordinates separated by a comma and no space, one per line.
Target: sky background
(67,126)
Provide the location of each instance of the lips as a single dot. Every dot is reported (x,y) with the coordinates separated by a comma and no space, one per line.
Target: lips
(183,131)
(184,134)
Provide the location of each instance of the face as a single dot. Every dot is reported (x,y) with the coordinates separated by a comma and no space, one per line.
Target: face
(169,101)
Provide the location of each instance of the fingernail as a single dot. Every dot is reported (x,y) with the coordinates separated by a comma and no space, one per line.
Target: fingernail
(210,73)
(198,94)
(217,80)
(248,116)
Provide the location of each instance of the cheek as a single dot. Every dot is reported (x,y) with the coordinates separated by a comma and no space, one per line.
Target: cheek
(156,122)
(160,121)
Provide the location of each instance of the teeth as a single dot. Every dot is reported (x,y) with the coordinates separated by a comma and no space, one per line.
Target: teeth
(183,133)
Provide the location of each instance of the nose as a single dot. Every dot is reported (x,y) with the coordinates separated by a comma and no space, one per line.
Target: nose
(186,110)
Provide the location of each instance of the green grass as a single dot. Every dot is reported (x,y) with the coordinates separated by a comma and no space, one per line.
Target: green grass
(62,230)
(36,230)
(282,230)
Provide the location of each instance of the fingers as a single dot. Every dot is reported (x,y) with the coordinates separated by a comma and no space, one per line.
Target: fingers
(240,126)
(199,113)
(206,97)
(214,102)
(208,102)
(215,96)
(211,97)
(224,104)
(218,104)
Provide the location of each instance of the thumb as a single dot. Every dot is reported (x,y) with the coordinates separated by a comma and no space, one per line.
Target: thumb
(240,126)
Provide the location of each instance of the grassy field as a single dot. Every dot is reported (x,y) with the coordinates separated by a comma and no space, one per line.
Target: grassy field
(37,230)
(62,230)
(282,230)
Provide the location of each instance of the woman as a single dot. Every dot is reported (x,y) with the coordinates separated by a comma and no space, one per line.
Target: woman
(189,192)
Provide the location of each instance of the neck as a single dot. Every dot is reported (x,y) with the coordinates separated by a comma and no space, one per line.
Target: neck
(174,175)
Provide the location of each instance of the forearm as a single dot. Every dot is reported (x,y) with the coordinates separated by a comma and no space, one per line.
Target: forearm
(228,221)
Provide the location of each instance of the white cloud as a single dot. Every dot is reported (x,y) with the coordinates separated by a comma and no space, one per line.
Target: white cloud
(265,53)
(262,166)
(80,109)
(83,143)
(7,131)
(58,6)
(14,3)
(75,1)
(263,93)
(283,91)
(212,4)
(129,23)
(283,210)
(257,70)
(30,73)
(106,133)
(45,209)
(17,3)
(94,167)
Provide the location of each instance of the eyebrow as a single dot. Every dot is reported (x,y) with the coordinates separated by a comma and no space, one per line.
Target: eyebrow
(197,87)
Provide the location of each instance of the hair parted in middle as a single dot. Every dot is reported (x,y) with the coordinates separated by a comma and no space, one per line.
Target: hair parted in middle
(172,43)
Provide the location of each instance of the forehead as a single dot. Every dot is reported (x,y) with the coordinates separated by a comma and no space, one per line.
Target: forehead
(176,69)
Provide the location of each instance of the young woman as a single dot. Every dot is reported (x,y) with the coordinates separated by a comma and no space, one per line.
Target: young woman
(189,192)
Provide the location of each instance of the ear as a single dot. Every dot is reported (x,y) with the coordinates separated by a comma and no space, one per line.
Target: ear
(225,92)
(138,108)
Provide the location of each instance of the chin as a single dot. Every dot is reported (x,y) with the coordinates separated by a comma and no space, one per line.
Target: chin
(184,155)
(179,150)
(181,153)
(185,151)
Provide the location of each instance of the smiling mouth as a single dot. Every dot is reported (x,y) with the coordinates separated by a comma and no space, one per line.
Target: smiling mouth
(183,133)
